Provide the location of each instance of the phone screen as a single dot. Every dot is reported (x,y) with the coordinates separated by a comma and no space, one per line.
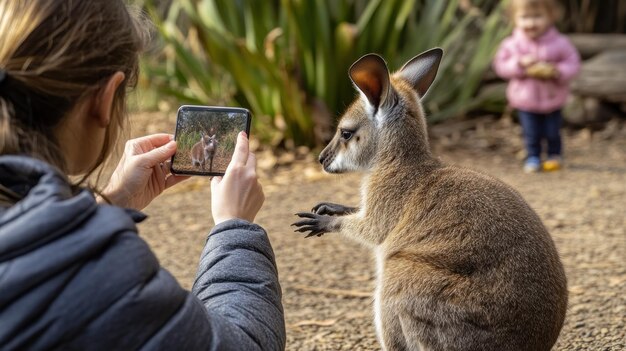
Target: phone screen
(206,138)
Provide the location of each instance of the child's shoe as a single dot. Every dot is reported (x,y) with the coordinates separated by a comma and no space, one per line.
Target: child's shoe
(553,163)
(532,165)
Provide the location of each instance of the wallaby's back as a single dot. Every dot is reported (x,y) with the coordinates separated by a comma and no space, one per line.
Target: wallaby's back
(197,151)
(470,258)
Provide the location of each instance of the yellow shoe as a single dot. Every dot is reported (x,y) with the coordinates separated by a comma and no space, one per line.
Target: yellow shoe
(551,165)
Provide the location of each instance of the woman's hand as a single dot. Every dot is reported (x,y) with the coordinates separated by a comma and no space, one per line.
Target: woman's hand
(238,194)
(143,172)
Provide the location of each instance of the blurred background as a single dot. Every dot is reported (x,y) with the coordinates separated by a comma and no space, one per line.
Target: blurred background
(287,60)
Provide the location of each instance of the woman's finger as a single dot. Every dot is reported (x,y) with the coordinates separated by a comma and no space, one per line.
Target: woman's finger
(214,183)
(158,155)
(146,143)
(167,166)
(159,173)
(240,156)
(154,140)
(251,161)
(172,180)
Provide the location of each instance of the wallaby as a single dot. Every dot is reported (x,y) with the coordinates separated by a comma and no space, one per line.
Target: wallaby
(204,151)
(462,261)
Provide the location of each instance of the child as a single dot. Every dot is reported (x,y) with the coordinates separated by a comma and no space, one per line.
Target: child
(539,62)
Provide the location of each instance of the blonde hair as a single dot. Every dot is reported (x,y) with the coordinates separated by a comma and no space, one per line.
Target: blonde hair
(553,7)
(55,53)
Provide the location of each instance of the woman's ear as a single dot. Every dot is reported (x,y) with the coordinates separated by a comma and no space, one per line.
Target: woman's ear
(102,103)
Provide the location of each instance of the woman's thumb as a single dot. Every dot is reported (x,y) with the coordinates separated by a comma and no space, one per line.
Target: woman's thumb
(214,183)
(160,154)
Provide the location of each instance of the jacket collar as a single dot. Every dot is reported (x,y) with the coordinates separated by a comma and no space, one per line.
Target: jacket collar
(21,174)
(36,181)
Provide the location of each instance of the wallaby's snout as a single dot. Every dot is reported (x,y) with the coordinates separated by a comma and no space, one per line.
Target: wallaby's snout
(326,158)
(347,151)
(322,158)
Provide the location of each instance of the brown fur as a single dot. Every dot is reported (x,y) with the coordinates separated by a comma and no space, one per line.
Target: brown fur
(463,263)
(204,151)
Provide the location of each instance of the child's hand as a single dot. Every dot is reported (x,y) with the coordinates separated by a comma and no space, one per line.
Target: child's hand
(542,70)
(527,60)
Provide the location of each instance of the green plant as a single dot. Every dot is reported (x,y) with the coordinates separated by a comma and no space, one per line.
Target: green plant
(287,60)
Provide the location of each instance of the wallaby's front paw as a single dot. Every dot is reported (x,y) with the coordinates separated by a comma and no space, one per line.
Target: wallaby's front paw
(327,208)
(314,223)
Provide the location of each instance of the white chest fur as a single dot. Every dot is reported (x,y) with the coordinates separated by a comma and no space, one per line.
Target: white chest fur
(379,256)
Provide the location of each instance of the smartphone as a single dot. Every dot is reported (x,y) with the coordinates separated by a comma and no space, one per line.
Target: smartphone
(206,138)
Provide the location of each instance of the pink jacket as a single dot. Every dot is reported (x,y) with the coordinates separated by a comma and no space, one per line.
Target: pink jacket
(531,94)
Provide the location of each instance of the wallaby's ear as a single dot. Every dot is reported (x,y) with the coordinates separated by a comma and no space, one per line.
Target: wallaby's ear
(421,70)
(371,77)
(213,137)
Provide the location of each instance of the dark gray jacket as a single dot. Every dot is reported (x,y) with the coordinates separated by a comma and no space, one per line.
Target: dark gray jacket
(74,275)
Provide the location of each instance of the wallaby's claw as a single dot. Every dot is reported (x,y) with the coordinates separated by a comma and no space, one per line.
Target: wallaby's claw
(312,230)
(331,209)
(305,222)
(305,215)
(313,223)
(313,234)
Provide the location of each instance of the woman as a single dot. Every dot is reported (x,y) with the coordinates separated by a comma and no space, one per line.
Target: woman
(74,274)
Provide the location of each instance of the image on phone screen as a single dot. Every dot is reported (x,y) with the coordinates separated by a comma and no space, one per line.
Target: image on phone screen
(206,138)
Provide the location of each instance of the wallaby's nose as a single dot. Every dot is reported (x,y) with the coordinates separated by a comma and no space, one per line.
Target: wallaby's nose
(325,156)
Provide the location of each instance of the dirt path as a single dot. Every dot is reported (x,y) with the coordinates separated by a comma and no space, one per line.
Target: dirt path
(327,281)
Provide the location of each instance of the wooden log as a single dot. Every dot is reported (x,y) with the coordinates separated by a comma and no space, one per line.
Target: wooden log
(587,112)
(592,44)
(603,77)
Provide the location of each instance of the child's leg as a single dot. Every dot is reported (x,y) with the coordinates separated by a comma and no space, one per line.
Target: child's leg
(553,137)
(531,125)
(553,133)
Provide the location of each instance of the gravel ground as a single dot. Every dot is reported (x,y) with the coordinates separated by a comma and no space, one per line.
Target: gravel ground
(327,281)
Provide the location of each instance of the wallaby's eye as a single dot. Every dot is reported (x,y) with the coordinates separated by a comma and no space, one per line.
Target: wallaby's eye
(346,134)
